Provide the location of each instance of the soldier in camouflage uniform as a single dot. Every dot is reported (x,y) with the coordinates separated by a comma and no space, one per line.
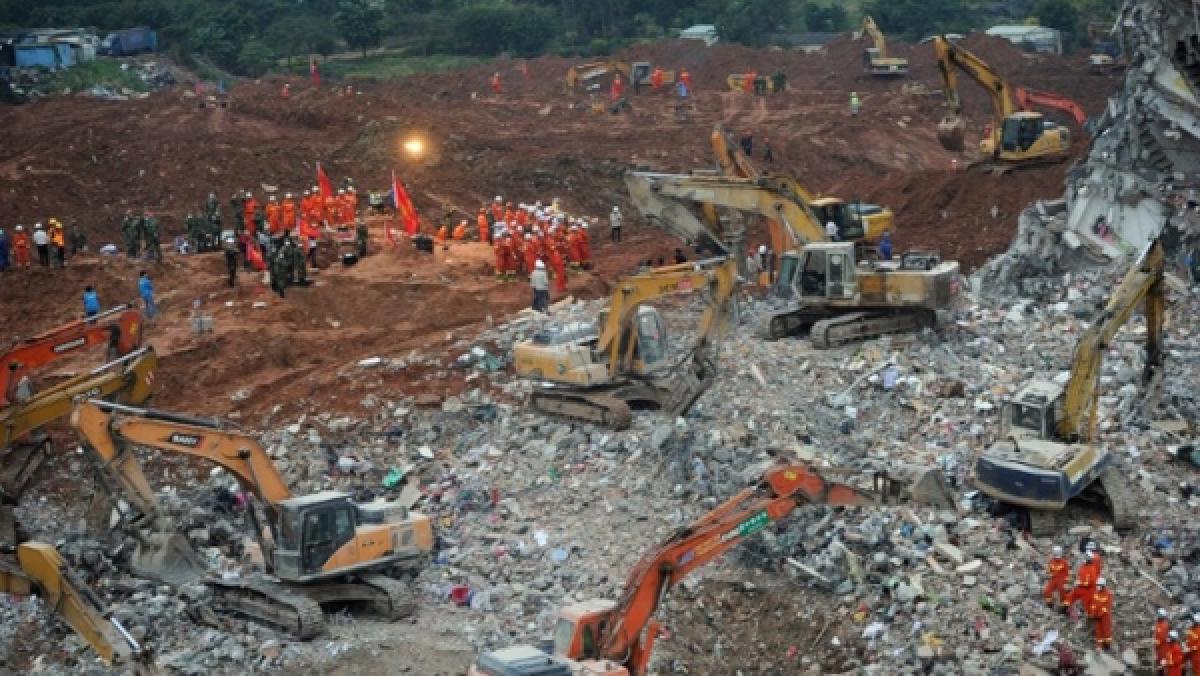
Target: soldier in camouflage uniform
(150,232)
(131,229)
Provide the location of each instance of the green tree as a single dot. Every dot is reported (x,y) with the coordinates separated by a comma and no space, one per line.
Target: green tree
(360,23)
(1060,14)
(915,19)
(298,35)
(751,22)
(254,58)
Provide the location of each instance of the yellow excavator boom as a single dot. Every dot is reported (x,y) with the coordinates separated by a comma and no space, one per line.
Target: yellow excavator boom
(1143,282)
(41,570)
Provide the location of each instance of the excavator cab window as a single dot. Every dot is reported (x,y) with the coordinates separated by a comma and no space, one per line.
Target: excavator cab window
(812,277)
(326,529)
(651,346)
(839,274)
(786,280)
(1019,133)
(564,636)
(1030,418)
(589,642)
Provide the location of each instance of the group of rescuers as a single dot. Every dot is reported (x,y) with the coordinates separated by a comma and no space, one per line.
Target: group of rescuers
(1092,592)
(50,245)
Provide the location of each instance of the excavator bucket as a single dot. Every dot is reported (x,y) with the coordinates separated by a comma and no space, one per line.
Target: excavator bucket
(168,558)
(921,485)
(951,133)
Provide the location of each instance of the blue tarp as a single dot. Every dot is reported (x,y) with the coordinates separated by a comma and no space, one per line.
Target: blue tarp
(47,55)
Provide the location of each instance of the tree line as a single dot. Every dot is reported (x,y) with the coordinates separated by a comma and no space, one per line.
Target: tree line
(248,36)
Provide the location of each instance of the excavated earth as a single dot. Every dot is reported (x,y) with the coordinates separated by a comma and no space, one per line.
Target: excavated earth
(86,161)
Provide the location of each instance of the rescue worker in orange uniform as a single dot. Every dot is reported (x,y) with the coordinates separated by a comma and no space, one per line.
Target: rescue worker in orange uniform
(560,270)
(58,242)
(510,214)
(460,231)
(686,78)
(1162,627)
(349,200)
(481,222)
(288,209)
(333,209)
(1172,655)
(498,209)
(748,83)
(498,250)
(530,252)
(274,217)
(574,249)
(1091,548)
(1059,571)
(20,246)
(249,208)
(656,79)
(1191,644)
(1100,610)
(497,85)
(1085,584)
(617,89)
(523,217)
(442,234)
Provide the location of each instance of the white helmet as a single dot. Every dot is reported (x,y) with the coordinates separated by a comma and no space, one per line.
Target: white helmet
(762,248)
(1196,618)
(528,236)
(316,189)
(306,192)
(498,198)
(616,210)
(1101,582)
(288,196)
(1162,613)
(1173,635)
(537,204)
(272,198)
(539,265)
(249,194)
(37,226)
(1090,546)
(583,224)
(20,228)
(1057,550)
(341,191)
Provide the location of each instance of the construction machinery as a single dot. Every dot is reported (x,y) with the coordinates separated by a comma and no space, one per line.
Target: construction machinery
(599,371)
(1028,98)
(875,58)
(771,83)
(129,379)
(606,638)
(1105,55)
(40,570)
(118,329)
(319,549)
(638,72)
(1014,138)
(1047,455)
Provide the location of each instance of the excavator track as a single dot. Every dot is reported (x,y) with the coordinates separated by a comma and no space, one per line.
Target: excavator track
(270,603)
(1118,499)
(396,598)
(860,325)
(601,409)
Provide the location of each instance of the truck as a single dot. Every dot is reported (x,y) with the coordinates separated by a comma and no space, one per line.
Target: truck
(129,41)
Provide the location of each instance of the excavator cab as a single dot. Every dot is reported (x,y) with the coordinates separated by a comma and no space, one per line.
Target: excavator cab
(1034,412)
(1021,131)
(825,270)
(850,224)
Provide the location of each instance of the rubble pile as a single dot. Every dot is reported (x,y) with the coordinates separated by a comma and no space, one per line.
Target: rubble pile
(1140,175)
(534,512)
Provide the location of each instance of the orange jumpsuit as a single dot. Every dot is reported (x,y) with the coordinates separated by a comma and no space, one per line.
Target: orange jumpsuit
(1191,644)
(585,249)
(656,80)
(249,208)
(20,249)
(349,207)
(497,87)
(1100,610)
(617,89)
(686,78)
(482,222)
(1085,585)
(560,270)
(441,235)
(748,83)
(1059,571)
(333,210)
(498,251)
(522,217)
(1172,659)
(460,232)
(497,211)
(574,248)
(289,214)
(1161,628)
(510,216)
(274,216)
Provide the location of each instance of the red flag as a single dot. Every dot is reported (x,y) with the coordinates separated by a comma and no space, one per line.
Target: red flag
(313,72)
(254,257)
(323,183)
(404,207)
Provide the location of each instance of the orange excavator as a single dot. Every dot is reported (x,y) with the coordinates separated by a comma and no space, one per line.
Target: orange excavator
(606,638)
(119,329)
(1028,98)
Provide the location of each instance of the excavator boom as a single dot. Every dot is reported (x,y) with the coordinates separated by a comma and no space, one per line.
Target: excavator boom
(41,570)
(877,60)
(120,329)
(951,58)
(1028,98)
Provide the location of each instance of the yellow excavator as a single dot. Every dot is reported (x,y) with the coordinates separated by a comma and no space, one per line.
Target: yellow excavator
(1047,456)
(129,379)
(599,372)
(318,549)
(876,58)
(40,570)
(1014,138)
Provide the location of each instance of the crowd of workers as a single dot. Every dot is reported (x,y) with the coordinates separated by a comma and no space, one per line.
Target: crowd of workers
(52,246)
(1092,593)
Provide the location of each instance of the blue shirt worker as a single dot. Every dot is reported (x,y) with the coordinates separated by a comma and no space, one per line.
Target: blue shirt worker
(146,291)
(885,246)
(91,302)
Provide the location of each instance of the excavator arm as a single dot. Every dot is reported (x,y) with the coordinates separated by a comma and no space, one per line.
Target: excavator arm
(950,59)
(717,275)
(872,31)
(1144,281)
(41,570)
(630,633)
(1028,98)
(120,329)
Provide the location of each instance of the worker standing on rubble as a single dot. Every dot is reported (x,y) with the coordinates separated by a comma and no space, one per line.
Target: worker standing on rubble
(1100,610)
(614,225)
(485,228)
(768,154)
(299,275)
(129,231)
(1191,644)
(885,253)
(58,241)
(153,244)
(288,212)
(747,142)
(540,283)
(574,248)
(251,214)
(855,104)
(1172,655)
(686,78)
(748,81)
(91,302)
(460,231)
(497,85)
(1085,584)
(20,247)
(3,251)
(191,224)
(274,216)
(560,269)
(1058,569)
(146,291)
(76,240)
(239,215)
(281,266)
(42,241)
(212,209)
(1162,627)
(617,89)
(656,79)
(231,259)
